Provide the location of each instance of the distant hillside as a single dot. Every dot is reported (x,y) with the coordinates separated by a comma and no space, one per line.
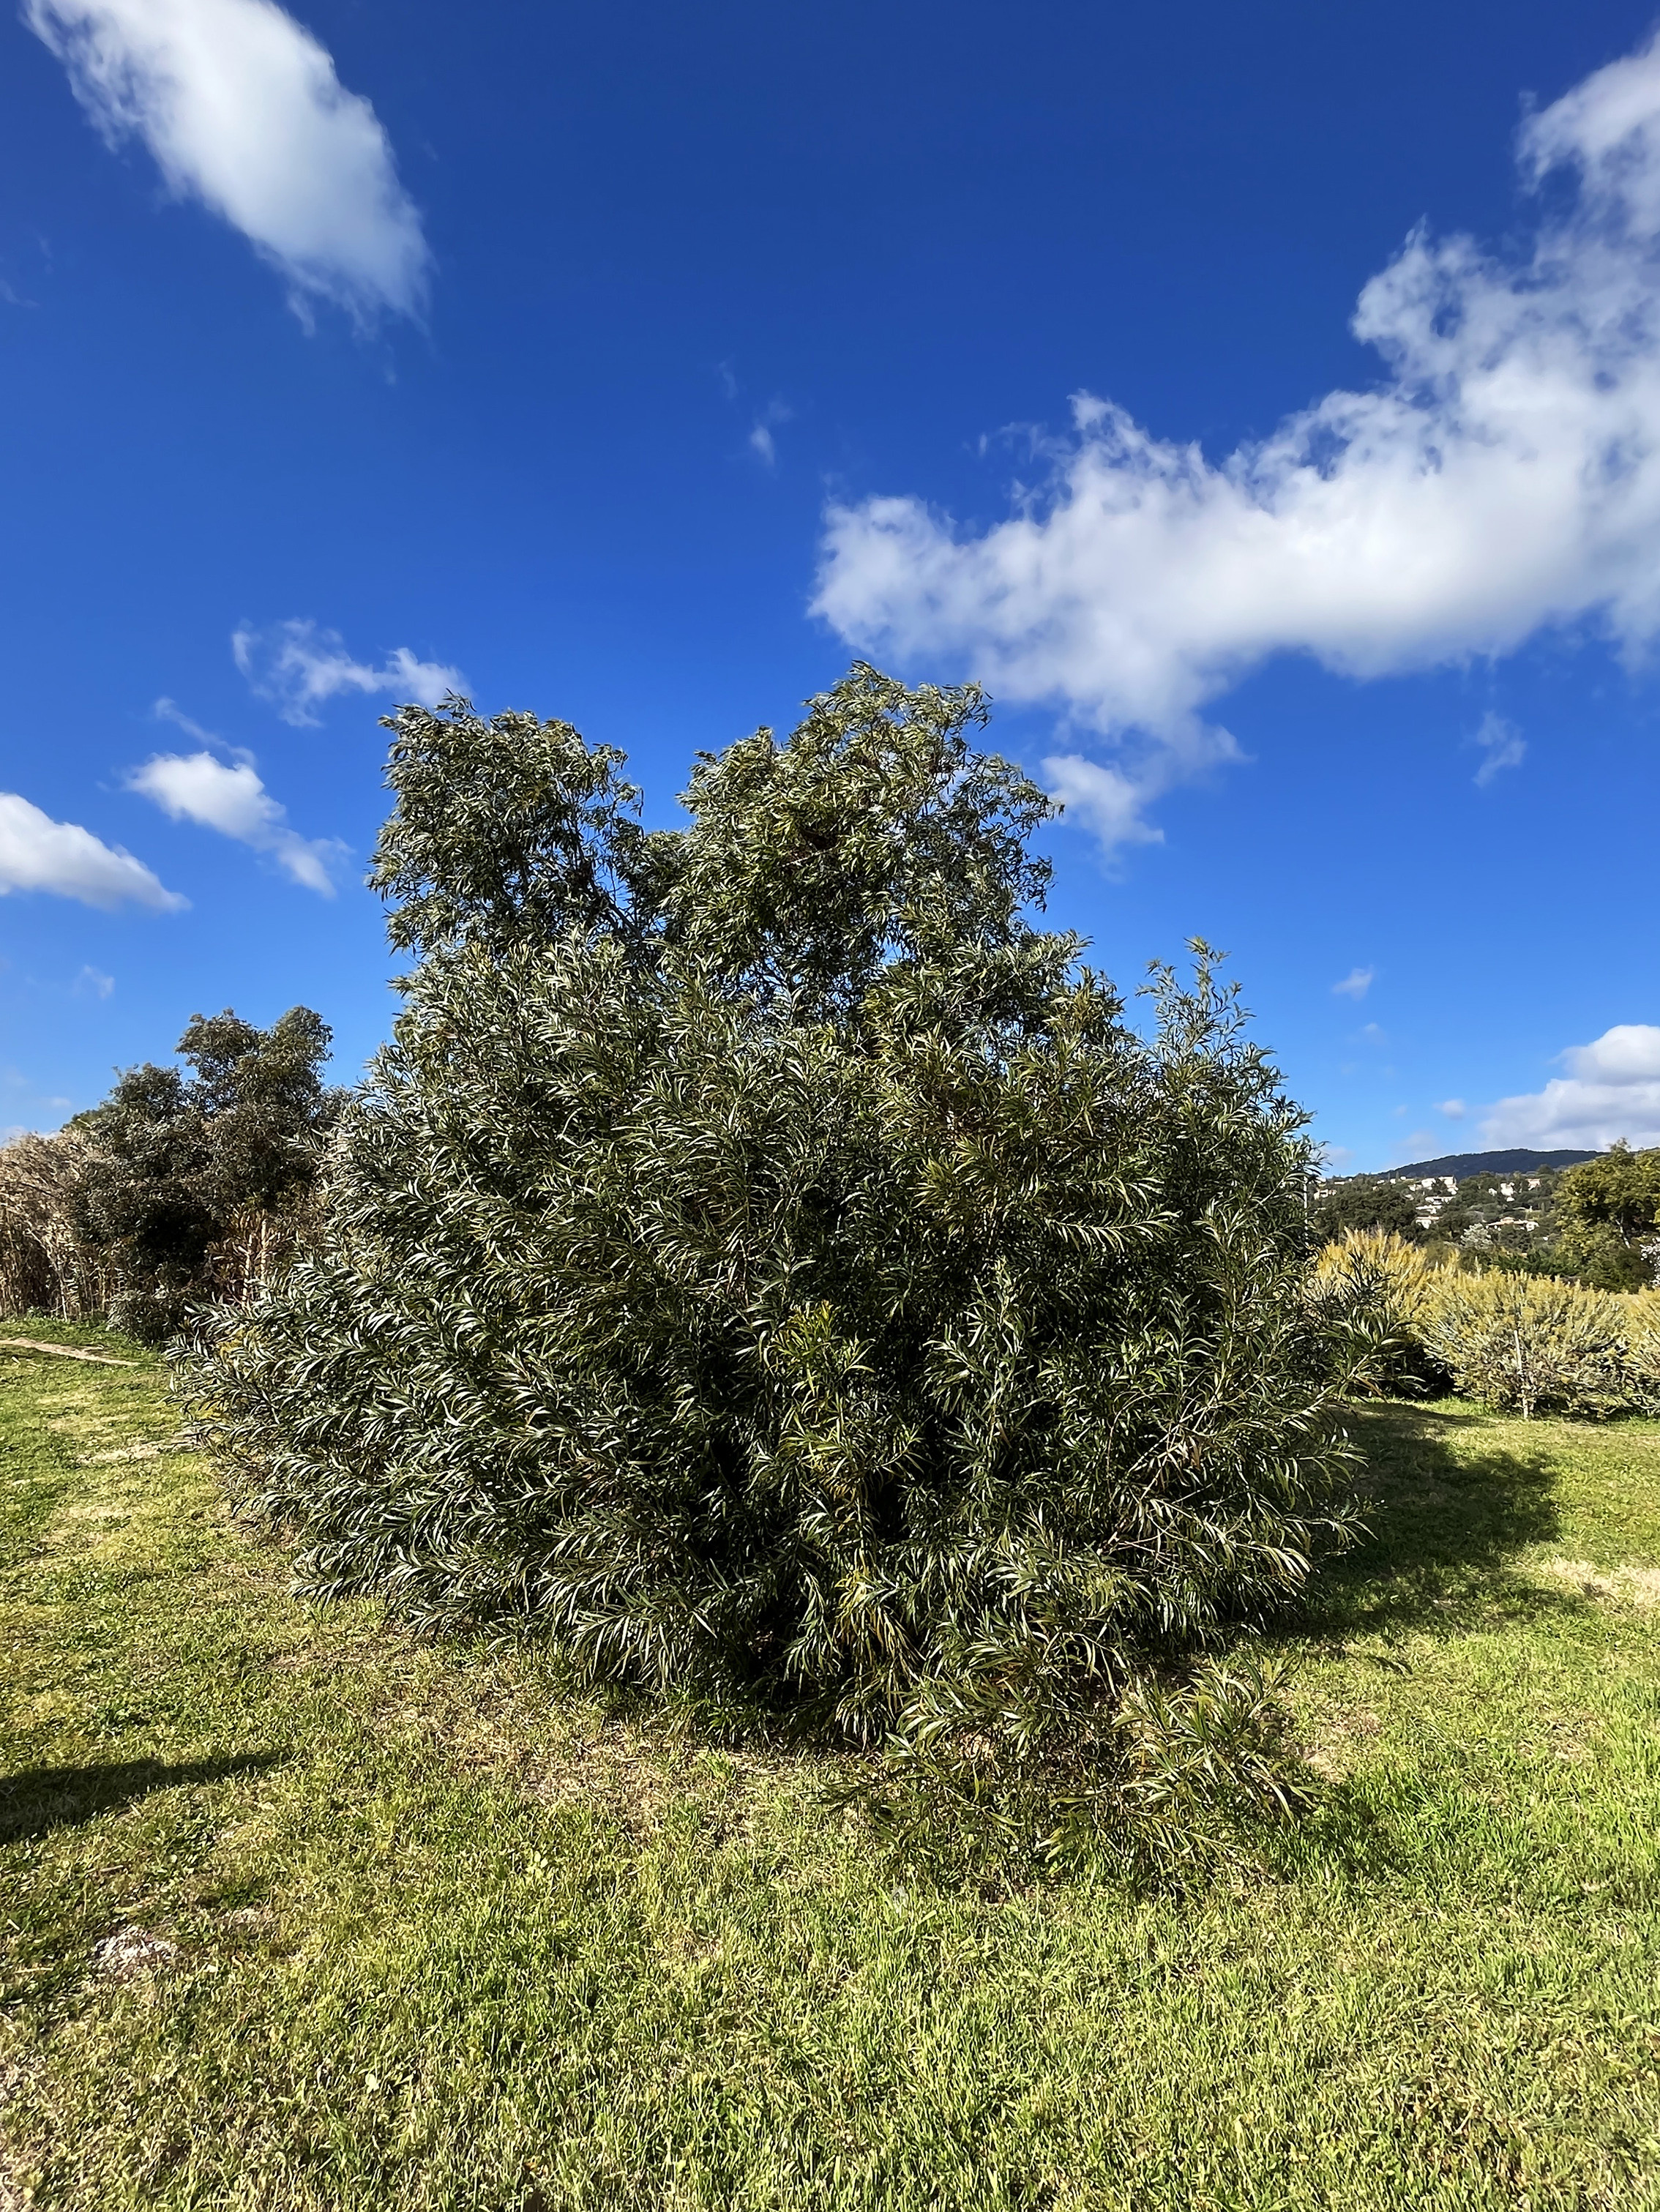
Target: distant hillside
(1470,1163)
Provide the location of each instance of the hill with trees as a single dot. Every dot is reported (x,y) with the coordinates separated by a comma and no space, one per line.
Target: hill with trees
(1518,1160)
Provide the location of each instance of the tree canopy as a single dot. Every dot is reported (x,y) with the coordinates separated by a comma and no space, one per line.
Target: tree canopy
(1608,1212)
(134,1209)
(768,1264)
(1365,1202)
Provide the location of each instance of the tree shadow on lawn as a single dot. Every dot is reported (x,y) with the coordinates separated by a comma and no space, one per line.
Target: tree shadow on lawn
(34,1803)
(1442,1530)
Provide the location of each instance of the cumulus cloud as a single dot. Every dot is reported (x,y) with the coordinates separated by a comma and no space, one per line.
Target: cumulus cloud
(39,854)
(1503,474)
(242,110)
(1502,746)
(231,798)
(1355,985)
(1611,1089)
(297,665)
(1453,1109)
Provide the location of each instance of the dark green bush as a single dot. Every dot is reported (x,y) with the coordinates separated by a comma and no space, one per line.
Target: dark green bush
(772,1268)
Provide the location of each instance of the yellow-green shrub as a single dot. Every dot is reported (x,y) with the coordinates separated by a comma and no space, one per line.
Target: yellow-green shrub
(1526,1344)
(1642,1356)
(1375,1291)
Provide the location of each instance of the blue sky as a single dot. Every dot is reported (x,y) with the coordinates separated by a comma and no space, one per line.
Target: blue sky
(1264,402)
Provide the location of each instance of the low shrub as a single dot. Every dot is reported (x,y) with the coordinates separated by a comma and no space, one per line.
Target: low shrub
(1374,1292)
(1642,1355)
(1526,1345)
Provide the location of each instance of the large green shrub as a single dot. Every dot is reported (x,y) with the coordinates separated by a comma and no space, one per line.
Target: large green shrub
(772,1267)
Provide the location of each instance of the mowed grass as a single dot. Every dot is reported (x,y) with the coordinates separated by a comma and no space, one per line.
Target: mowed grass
(300,1913)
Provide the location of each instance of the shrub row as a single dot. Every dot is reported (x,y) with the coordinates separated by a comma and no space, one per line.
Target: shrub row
(1518,1343)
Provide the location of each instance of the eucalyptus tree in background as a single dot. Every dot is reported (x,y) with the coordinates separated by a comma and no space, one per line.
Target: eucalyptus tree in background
(769,1265)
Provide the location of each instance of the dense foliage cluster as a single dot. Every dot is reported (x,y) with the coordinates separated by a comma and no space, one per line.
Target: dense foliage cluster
(184,1185)
(1609,1215)
(770,1266)
(1364,1202)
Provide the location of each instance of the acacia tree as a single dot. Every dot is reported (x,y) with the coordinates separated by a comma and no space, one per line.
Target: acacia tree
(770,1266)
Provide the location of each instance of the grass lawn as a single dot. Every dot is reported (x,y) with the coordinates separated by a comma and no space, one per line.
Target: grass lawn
(297,1913)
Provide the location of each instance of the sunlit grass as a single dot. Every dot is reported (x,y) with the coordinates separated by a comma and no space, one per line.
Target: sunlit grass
(422,1933)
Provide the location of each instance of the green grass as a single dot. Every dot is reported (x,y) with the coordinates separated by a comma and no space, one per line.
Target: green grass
(437,1937)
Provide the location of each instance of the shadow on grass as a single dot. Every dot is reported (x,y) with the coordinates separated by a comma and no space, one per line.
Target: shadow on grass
(34,1803)
(1443,1528)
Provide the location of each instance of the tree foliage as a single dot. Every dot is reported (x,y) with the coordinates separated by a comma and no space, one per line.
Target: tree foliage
(179,1185)
(770,1266)
(1607,1214)
(1365,1203)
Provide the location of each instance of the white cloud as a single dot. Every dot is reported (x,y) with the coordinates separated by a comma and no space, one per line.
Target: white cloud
(39,854)
(197,787)
(1611,1089)
(1502,476)
(1503,744)
(93,983)
(1453,1109)
(762,443)
(1355,985)
(297,667)
(1102,797)
(242,110)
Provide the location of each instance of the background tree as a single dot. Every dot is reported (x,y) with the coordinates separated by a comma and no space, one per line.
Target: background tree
(180,1184)
(1365,1202)
(769,1265)
(1608,1214)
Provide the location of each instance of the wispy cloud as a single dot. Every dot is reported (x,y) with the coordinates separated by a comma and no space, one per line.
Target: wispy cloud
(39,854)
(1611,1089)
(297,667)
(93,983)
(1416,1143)
(1503,474)
(762,443)
(1503,745)
(231,798)
(242,110)
(1355,985)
